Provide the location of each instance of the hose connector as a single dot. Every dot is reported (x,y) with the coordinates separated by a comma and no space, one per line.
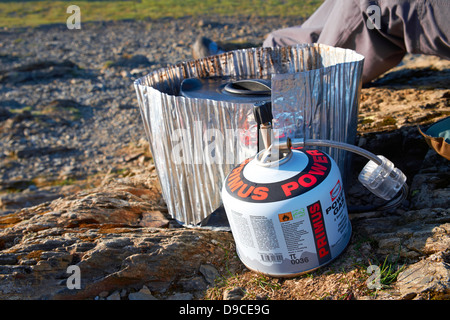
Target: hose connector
(384,180)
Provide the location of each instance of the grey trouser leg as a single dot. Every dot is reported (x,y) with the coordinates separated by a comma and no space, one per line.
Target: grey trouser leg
(414,26)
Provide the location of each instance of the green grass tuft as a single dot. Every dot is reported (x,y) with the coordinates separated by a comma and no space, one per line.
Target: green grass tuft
(35,13)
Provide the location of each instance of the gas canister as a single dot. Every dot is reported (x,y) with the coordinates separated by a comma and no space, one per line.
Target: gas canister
(288,213)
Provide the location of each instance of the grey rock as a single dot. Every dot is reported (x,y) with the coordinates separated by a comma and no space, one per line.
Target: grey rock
(431,189)
(143,294)
(193,284)
(427,279)
(8,258)
(37,152)
(26,199)
(132,62)
(209,272)
(39,70)
(117,242)
(114,296)
(409,234)
(181,296)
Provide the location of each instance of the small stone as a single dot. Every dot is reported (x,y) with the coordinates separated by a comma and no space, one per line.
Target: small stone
(154,219)
(209,272)
(409,296)
(114,296)
(143,294)
(181,296)
(194,284)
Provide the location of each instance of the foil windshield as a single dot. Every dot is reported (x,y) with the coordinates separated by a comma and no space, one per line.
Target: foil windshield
(319,104)
(196,142)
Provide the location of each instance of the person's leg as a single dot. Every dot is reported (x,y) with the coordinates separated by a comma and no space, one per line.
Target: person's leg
(343,23)
(432,34)
(414,26)
(383,48)
(308,32)
(420,27)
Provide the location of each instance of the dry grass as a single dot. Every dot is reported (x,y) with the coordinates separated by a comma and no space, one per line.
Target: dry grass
(345,278)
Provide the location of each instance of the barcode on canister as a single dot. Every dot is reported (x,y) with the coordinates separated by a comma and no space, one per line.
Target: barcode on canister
(271,257)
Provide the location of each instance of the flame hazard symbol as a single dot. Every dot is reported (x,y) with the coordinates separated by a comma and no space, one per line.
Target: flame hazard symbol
(283,217)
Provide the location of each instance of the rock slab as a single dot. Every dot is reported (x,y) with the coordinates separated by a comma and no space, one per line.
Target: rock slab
(103,234)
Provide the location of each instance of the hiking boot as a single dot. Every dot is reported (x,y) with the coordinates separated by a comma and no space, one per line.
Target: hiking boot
(204,47)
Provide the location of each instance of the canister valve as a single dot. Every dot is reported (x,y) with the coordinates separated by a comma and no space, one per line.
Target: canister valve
(262,111)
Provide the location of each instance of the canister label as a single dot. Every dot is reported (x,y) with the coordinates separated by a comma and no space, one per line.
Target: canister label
(315,172)
(296,241)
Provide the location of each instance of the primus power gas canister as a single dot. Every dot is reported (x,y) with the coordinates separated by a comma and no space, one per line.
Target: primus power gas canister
(288,215)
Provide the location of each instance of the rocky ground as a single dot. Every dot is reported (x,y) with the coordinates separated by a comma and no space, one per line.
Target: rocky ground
(78,187)
(68,106)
